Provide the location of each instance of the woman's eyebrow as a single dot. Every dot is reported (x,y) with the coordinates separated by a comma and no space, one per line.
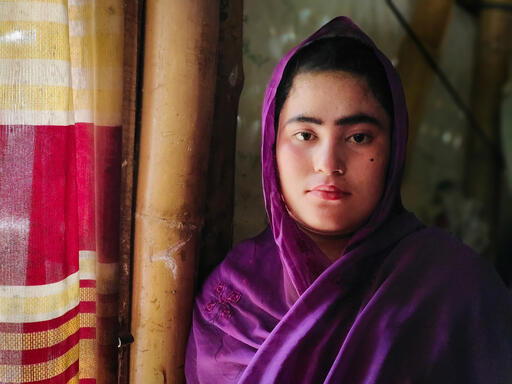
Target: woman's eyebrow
(358,119)
(304,119)
(348,120)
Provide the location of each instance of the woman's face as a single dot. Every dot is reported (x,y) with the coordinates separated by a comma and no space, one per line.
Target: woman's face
(332,149)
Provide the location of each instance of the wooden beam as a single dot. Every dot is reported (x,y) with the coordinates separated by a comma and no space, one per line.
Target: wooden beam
(131,103)
(217,236)
(180,67)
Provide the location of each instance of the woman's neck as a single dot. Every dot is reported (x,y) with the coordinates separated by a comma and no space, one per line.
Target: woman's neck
(332,246)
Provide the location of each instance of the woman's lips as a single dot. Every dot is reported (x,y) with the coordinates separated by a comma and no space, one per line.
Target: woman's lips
(329,192)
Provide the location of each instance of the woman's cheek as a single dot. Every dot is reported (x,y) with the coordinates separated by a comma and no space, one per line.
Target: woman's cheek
(287,157)
(292,153)
(379,165)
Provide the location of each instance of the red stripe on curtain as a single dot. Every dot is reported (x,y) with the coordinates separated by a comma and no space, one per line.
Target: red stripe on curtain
(35,356)
(53,241)
(85,183)
(108,180)
(87,283)
(87,307)
(87,381)
(16,156)
(87,333)
(41,355)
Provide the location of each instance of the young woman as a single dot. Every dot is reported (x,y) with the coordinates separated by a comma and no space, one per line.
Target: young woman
(345,286)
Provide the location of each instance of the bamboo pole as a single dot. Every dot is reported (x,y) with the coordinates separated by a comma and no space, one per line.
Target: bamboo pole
(131,94)
(178,94)
(217,235)
(429,22)
(482,171)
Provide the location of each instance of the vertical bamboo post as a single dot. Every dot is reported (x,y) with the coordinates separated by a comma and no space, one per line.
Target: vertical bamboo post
(178,95)
(482,170)
(429,21)
(217,235)
(131,93)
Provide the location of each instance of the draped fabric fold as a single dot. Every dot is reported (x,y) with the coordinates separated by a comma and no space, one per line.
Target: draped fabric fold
(60,137)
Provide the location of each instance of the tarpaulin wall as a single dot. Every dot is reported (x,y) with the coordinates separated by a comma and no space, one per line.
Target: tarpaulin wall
(60,148)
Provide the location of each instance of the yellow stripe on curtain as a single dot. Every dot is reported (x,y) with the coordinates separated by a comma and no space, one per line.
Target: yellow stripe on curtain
(34,40)
(41,371)
(34,340)
(64,2)
(87,265)
(88,361)
(33,11)
(45,72)
(22,304)
(22,291)
(37,97)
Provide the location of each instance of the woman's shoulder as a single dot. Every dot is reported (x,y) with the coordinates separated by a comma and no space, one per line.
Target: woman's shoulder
(440,248)
(436,258)
(250,255)
(244,280)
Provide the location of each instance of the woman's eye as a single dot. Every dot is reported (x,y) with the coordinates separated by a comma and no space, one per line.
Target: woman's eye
(304,136)
(360,138)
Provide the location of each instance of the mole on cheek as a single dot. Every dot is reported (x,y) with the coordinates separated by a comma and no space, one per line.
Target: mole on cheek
(372,159)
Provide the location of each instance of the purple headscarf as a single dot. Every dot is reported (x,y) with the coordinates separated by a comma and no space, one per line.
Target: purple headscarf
(403,304)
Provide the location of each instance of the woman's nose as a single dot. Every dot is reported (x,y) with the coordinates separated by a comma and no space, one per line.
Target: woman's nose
(329,159)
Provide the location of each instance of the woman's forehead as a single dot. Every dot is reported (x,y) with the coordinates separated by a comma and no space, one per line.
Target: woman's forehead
(331,95)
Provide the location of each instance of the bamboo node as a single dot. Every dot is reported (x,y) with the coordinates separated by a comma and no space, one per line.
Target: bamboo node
(171,223)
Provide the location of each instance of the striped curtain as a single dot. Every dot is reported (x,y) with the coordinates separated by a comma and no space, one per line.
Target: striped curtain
(60,164)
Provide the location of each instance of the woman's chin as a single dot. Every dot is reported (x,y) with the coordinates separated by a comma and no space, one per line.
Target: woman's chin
(326,225)
(325,230)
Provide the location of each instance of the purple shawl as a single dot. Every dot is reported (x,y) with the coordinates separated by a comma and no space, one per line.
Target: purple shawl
(404,303)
